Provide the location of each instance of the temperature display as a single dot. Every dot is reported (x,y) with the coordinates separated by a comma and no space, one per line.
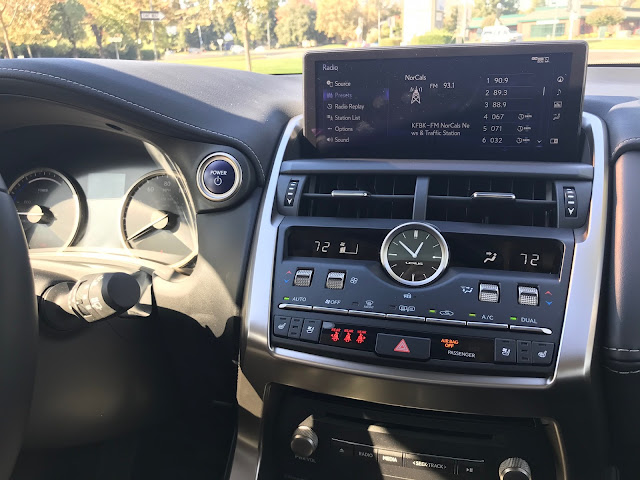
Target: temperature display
(335,243)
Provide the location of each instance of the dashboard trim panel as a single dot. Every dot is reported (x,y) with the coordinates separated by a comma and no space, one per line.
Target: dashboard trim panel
(572,383)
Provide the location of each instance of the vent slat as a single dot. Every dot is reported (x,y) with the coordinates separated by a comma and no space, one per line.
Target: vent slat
(388,196)
(449,199)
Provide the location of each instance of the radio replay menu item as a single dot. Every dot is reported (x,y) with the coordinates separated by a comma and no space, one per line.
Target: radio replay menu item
(511,102)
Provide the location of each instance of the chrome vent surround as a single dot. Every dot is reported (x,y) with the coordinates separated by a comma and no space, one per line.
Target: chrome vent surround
(492,200)
(359,196)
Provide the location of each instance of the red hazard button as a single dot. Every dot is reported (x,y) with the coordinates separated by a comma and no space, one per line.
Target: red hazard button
(412,348)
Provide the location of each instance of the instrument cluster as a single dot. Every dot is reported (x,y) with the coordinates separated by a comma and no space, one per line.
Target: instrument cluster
(156,219)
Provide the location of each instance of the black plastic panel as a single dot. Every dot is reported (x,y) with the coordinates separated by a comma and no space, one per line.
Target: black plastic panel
(360,440)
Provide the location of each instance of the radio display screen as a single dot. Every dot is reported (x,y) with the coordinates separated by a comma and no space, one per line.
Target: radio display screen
(506,102)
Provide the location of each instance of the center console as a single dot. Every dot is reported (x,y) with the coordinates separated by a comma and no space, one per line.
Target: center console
(424,285)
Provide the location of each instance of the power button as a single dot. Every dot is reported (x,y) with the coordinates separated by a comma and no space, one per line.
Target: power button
(219,176)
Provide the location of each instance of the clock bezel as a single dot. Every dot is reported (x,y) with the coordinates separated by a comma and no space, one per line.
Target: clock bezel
(427,227)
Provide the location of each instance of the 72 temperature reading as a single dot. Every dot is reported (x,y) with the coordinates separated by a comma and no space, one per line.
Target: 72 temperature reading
(530,259)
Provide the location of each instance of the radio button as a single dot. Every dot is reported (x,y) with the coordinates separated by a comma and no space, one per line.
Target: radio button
(335,280)
(430,463)
(505,351)
(542,353)
(528,296)
(281,326)
(406,318)
(365,452)
(390,457)
(411,348)
(489,292)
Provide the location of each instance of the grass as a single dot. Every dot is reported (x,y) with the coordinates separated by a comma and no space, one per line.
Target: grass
(271,64)
(614,44)
(289,60)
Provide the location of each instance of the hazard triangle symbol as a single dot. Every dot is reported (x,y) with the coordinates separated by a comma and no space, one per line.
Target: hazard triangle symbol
(402,347)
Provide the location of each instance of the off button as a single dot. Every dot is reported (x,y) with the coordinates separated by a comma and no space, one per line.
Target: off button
(219,176)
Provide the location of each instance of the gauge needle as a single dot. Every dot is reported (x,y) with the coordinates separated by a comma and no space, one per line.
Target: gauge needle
(159,221)
(36,214)
(413,255)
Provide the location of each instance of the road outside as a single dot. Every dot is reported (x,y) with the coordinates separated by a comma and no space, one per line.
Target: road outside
(289,60)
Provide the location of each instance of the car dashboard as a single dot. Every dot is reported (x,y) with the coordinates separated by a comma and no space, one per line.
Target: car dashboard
(263,230)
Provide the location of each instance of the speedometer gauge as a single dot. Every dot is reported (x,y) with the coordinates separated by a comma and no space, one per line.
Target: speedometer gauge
(155,221)
(49,208)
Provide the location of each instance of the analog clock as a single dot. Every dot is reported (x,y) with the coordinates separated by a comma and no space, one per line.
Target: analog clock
(414,254)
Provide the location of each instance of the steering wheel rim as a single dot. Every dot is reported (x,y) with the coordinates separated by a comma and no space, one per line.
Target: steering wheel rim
(18,334)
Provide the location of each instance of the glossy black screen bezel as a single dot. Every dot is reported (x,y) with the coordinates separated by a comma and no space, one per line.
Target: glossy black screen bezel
(576,86)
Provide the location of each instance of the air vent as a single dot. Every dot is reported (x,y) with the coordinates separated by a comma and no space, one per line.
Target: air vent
(492,200)
(359,196)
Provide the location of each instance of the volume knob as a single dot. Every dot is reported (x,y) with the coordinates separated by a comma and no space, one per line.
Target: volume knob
(304,441)
(514,469)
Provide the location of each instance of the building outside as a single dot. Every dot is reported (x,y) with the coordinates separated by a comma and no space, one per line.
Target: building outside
(555,22)
(420,17)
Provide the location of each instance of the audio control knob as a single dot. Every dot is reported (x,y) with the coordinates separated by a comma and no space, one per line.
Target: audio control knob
(514,469)
(304,441)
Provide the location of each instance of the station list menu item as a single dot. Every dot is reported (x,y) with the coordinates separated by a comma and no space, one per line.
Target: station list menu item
(516,107)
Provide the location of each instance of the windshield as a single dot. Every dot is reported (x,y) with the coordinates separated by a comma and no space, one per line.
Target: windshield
(271,36)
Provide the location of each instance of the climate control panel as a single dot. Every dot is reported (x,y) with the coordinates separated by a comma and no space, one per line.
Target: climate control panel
(431,296)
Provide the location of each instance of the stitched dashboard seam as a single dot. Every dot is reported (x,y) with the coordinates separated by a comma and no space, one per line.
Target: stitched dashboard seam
(626,140)
(20,70)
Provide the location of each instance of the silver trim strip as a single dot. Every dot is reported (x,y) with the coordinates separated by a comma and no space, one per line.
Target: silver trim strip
(524,328)
(360,313)
(444,321)
(493,196)
(337,311)
(350,193)
(407,318)
(493,326)
(293,306)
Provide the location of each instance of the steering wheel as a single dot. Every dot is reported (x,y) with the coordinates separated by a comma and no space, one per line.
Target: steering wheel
(18,334)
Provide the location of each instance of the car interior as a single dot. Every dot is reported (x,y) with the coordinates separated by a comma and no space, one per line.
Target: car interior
(409,263)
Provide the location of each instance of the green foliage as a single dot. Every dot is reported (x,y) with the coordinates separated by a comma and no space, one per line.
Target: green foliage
(451,21)
(65,20)
(484,8)
(338,19)
(296,22)
(390,42)
(605,16)
(434,37)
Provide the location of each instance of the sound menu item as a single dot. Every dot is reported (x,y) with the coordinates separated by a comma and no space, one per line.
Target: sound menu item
(504,102)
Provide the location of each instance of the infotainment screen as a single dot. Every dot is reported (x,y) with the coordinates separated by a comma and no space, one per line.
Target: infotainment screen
(502,102)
